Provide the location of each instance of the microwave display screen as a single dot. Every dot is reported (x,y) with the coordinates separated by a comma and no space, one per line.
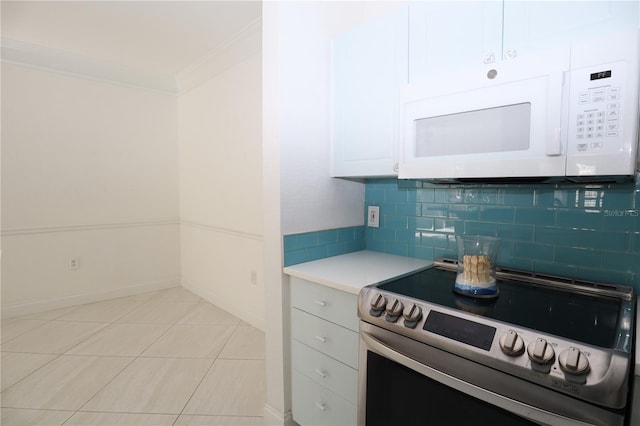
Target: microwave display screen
(601,74)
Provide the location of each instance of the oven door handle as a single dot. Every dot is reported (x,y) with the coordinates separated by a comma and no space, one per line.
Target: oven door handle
(532,413)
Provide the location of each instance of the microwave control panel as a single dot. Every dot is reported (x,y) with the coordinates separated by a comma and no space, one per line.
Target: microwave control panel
(595,112)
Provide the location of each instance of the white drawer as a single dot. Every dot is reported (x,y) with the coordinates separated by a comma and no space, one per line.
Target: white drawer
(325,302)
(313,404)
(326,337)
(324,370)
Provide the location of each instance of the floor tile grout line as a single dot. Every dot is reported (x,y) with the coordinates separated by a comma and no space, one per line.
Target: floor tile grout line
(39,368)
(195,389)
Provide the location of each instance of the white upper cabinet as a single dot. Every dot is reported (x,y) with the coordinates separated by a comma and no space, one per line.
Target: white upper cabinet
(446,36)
(532,26)
(369,65)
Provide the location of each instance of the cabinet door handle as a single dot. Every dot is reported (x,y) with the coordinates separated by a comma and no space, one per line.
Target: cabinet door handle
(321,373)
(320,303)
(322,339)
(489,58)
(320,405)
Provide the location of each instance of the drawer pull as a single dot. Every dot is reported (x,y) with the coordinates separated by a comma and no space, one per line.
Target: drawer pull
(321,373)
(320,405)
(320,303)
(322,339)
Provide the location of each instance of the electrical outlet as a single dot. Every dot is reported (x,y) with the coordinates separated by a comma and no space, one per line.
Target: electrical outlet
(74,263)
(373,216)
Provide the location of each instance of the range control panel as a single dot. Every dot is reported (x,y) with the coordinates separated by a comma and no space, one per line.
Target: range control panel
(595,110)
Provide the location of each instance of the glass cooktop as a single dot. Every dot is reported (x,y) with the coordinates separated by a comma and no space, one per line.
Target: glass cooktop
(585,318)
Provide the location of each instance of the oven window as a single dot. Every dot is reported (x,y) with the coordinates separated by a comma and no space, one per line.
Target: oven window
(397,395)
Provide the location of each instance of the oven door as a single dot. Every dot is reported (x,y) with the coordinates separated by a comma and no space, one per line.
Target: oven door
(405,382)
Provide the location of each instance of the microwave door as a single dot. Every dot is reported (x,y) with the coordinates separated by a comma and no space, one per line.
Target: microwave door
(508,127)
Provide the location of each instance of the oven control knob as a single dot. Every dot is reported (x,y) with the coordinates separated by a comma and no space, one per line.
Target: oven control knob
(540,351)
(412,314)
(378,305)
(512,344)
(573,361)
(394,307)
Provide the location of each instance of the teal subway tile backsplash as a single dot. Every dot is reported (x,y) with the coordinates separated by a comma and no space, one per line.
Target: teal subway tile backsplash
(583,231)
(308,246)
(590,232)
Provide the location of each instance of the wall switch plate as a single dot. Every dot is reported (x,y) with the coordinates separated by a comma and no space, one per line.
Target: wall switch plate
(373,216)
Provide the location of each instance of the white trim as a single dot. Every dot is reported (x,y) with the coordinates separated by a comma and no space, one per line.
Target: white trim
(65,302)
(273,417)
(91,227)
(233,232)
(238,48)
(44,58)
(246,42)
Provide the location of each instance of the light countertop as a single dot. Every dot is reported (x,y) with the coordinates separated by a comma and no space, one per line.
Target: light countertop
(352,271)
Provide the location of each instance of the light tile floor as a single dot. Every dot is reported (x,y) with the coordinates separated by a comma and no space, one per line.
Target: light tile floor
(160,358)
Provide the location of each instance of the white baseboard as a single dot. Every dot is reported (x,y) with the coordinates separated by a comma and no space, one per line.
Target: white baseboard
(65,302)
(273,417)
(237,311)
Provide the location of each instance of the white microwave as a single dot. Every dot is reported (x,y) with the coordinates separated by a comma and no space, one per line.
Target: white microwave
(569,113)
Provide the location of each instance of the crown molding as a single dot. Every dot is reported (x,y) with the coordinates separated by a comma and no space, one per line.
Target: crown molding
(242,45)
(41,57)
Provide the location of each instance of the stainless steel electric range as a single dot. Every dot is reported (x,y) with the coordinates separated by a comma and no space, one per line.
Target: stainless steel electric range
(546,351)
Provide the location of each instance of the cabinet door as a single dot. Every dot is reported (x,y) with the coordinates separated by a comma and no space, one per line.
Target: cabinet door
(531,26)
(369,65)
(446,36)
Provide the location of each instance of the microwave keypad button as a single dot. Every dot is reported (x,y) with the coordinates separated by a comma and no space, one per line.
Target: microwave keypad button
(580,123)
(580,116)
(613,105)
(612,113)
(584,98)
(614,90)
(599,135)
(590,122)
(582,146)
(580,129)
(599,128)
(600,113)
(615,97)
(596,145)
(600,121)
(590,115)
(612,134)
(589,135)
(579,136)
(598,92)
(589,129)
(600,98)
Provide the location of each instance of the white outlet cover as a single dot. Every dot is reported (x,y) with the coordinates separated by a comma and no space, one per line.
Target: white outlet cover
(373,216)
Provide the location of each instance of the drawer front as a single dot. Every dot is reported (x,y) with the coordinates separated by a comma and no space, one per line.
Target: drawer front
(326,337)
(325,302)
(313,404)
(326,371)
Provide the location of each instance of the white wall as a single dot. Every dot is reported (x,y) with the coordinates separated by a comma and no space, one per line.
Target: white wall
(89,169)
(296,148)
(219,126)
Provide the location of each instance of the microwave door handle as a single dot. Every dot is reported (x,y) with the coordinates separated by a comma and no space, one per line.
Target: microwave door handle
(554,142)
